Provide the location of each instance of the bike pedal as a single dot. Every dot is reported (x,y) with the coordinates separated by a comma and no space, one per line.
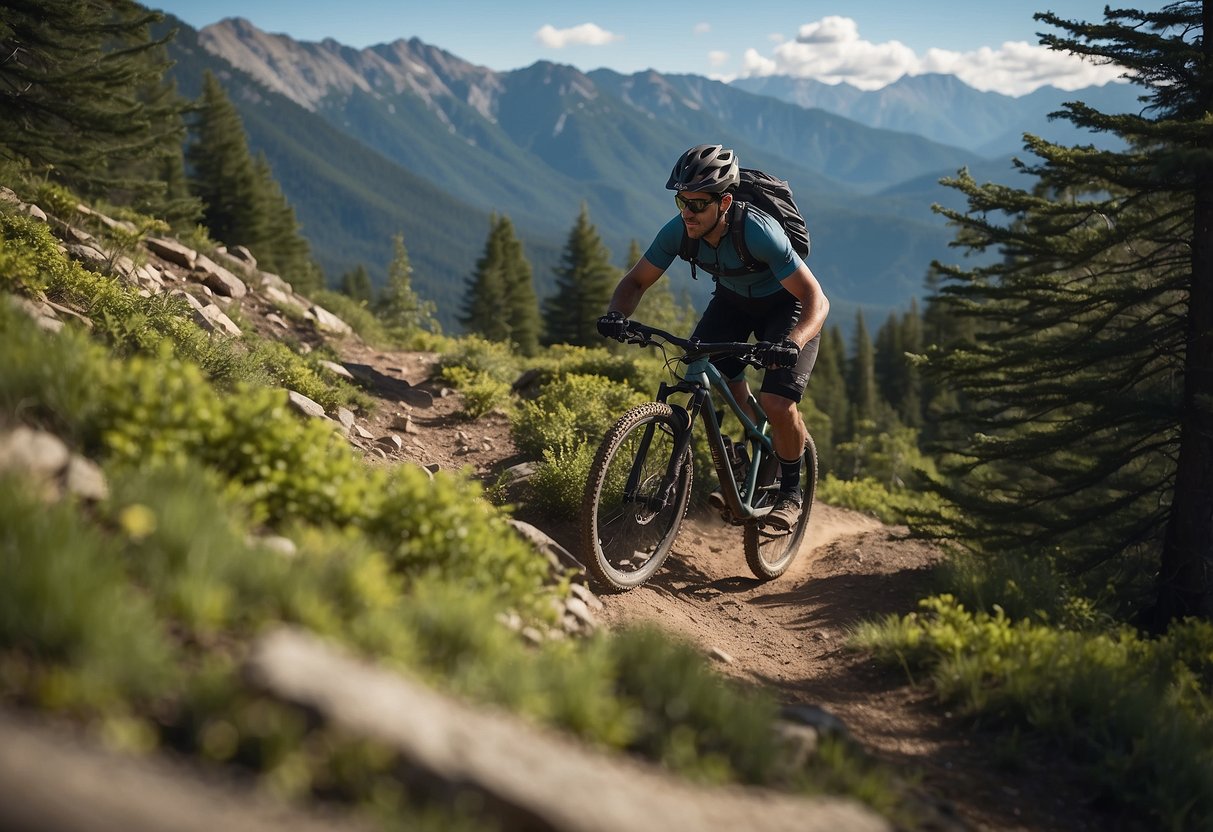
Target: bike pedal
(716,501)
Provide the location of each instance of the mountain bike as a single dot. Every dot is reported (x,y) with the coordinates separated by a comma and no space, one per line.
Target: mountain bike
(640,481)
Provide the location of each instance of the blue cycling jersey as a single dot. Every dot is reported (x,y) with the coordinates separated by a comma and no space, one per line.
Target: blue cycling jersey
(767,244)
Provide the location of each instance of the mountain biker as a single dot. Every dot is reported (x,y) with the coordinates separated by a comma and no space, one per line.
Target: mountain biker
(782,305)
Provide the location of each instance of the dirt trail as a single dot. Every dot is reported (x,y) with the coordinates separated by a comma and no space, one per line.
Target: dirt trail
(788,634)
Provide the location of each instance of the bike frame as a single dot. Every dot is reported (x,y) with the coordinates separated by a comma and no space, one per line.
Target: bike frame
(699,383)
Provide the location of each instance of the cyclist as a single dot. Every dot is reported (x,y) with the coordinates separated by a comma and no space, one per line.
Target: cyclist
(782,305)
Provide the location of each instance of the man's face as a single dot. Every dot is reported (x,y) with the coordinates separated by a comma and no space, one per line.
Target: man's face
(699,222)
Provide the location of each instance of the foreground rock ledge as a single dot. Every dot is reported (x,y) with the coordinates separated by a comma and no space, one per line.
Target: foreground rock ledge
(532,778)
(53,781)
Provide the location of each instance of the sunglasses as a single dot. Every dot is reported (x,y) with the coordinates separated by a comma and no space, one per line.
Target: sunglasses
(697,206)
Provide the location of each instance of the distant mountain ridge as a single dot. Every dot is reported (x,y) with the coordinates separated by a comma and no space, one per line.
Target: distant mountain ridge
(947,110)
(407,137)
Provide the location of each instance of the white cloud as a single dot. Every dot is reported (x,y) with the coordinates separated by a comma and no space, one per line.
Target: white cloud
(587,34)
(702,28)
(831,50)
(717,58)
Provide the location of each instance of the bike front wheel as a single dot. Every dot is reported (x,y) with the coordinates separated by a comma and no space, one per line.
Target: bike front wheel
(769,554)
(630,517)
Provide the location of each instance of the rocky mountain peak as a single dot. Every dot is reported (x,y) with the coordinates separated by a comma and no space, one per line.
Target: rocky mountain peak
(308,73)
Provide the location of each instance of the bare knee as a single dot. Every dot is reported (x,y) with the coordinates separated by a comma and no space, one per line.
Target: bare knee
(779,409)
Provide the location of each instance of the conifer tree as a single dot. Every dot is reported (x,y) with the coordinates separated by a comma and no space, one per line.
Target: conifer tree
(82,97)
(399,306)
(283,249)
(585,280)
(484,303)
(521,303)
(501,304)
(828,390)
(1092,376)
(910,404)
(356,284)
(223,174)
(861,378)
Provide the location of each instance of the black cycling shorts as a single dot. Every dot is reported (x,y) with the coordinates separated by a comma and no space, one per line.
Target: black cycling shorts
(734,317)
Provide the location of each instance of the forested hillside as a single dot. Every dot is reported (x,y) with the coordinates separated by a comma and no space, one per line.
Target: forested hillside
(246,504)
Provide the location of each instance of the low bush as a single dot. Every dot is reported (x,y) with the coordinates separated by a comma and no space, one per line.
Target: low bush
(570,411)
(1135,712)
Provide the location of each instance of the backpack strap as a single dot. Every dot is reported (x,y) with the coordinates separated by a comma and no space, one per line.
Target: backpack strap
(737,233)
(688,249)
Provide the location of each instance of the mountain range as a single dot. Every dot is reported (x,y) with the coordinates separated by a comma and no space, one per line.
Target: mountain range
(405,137)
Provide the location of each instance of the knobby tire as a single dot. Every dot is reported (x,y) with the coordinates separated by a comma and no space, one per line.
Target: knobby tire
(769,555)
(624,540)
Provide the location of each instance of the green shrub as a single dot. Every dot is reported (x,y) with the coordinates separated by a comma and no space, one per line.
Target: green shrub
(1136,713)
(481,358)
(73,632)
(361,319)
(571,411)
(868,496)
(558,485)
(481,392)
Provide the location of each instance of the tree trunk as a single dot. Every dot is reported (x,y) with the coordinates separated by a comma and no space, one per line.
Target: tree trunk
(1186,574)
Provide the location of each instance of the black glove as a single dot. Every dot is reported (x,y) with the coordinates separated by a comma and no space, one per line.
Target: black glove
(777,356)
(613,325)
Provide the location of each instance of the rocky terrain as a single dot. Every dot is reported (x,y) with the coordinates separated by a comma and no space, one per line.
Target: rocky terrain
(789,635)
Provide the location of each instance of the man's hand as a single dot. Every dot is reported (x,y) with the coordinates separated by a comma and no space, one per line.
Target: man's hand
(613,325)
(777,356)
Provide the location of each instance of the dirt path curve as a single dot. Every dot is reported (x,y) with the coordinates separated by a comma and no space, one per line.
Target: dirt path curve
(788,634)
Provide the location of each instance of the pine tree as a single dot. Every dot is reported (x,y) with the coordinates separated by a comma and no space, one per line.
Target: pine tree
(484,306)
(910,406)
(283,249)
(861,379)
(500,304)
(399,306)
(1091,380)
(223,174)
(356,284)
(521,303)
(82,98)
(828,389)
(585,280)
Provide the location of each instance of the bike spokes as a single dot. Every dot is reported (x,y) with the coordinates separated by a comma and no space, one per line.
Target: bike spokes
(633,509)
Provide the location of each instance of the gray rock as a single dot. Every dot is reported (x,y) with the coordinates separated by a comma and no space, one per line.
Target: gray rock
(305,405)
(211,318)
(346,417)
(559,558)
(528,778)
(193,302)
(218,279)
(172,251)
(326,321)
(336,369)
(58,780)
(269,280)
(84,479)
(391,442)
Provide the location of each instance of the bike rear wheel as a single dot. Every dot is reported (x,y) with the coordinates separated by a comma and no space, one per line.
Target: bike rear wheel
(625,536)
(769,554)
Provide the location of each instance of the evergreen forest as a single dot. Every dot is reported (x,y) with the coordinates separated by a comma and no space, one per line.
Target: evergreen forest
(1044,415)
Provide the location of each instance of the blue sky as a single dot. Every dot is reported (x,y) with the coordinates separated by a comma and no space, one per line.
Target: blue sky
(991,44)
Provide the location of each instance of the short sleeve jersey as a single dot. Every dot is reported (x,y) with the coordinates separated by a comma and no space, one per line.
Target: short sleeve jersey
(767,242)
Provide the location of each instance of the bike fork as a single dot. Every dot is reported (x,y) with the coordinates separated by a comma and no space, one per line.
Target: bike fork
(684,417)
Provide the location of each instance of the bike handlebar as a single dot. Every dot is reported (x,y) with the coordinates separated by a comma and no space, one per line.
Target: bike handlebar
(643,335)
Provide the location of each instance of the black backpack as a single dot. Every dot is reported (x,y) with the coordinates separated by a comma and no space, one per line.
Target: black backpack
(761,192)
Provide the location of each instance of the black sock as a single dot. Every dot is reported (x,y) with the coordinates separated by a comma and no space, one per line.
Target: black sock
(789,474)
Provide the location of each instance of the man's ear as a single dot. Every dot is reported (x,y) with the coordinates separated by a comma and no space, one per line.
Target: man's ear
(725,201)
